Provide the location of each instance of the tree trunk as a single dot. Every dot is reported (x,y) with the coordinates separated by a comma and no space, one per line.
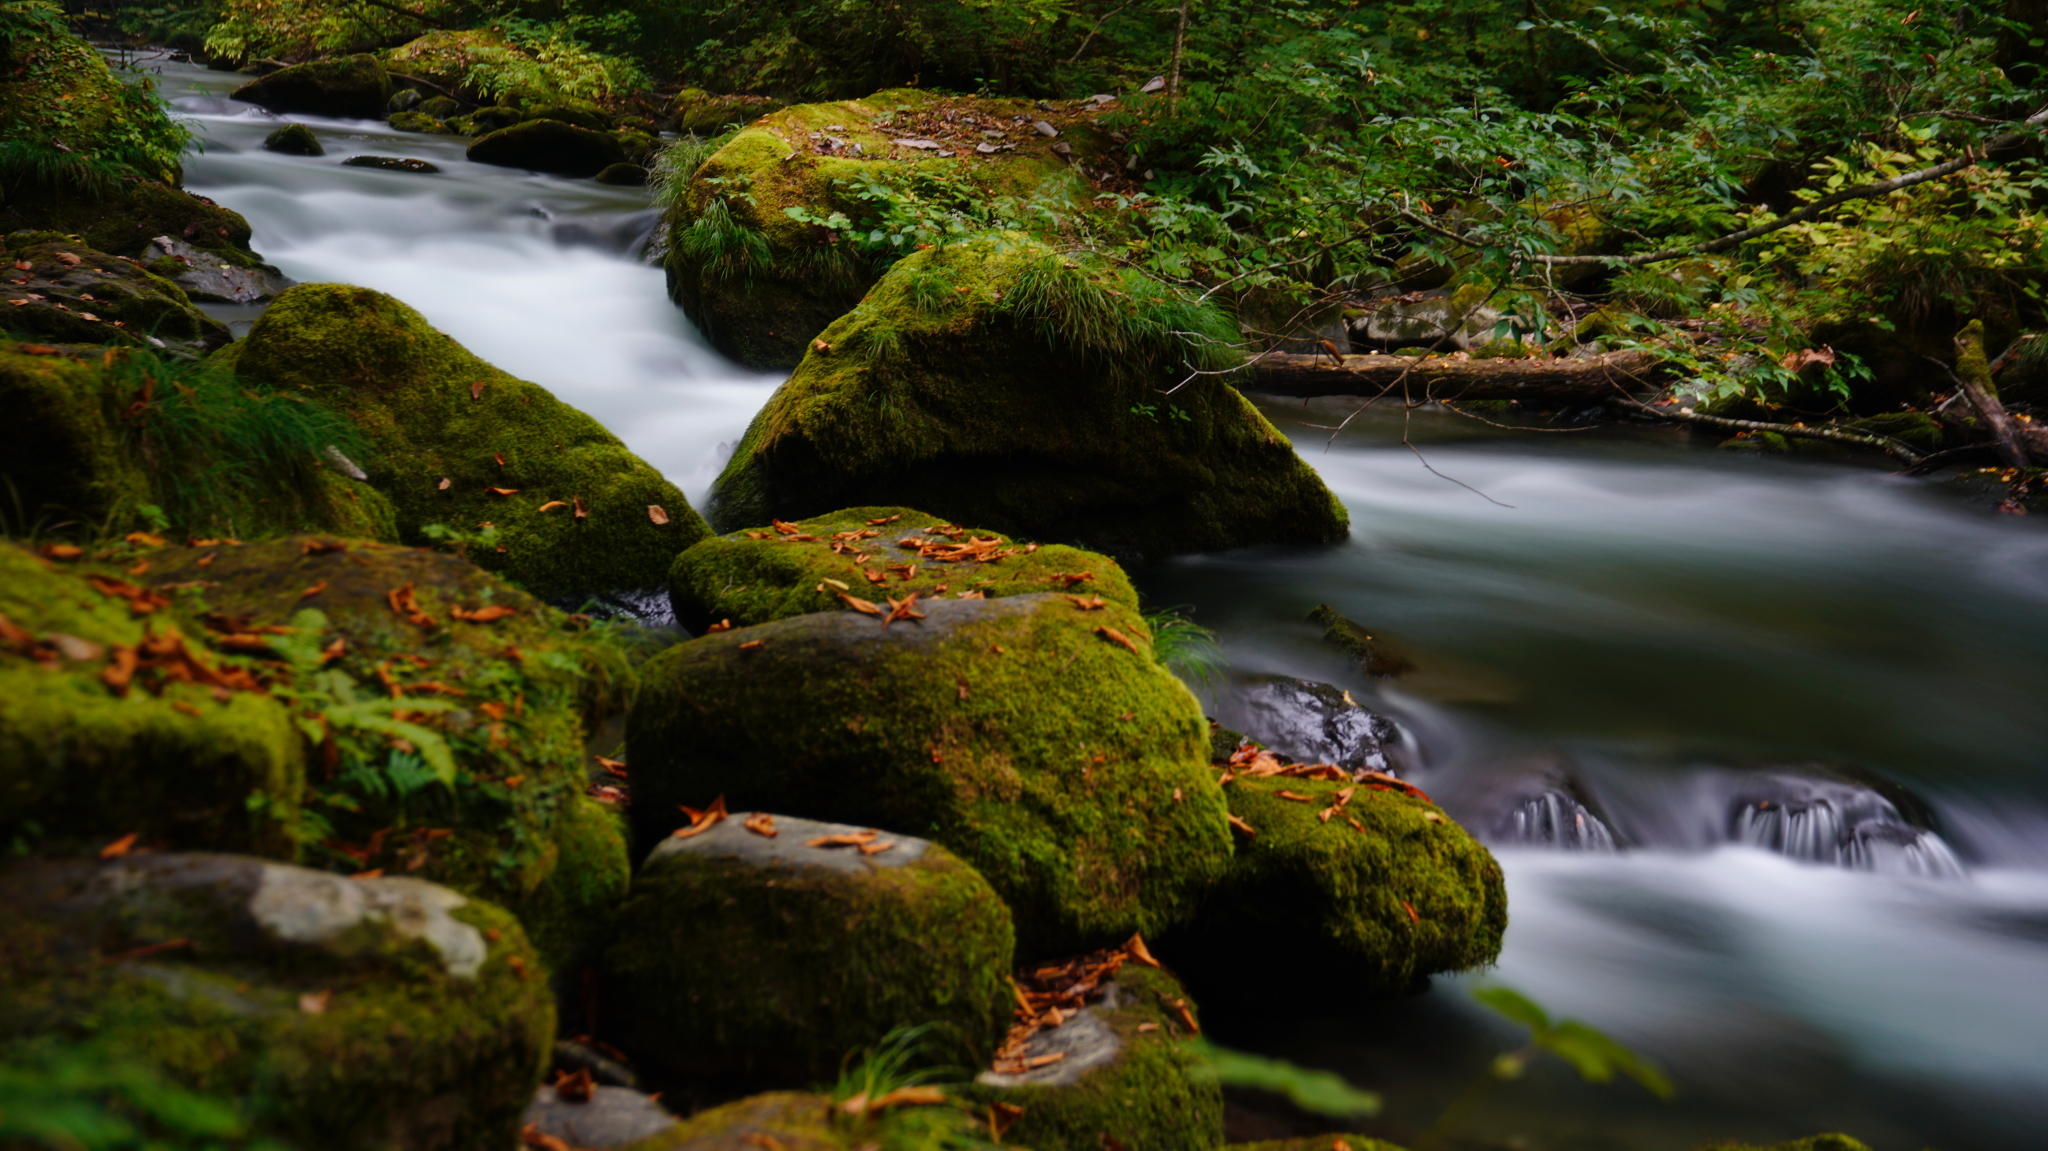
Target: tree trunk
(1440,378)
(2016,441)
(1180,40)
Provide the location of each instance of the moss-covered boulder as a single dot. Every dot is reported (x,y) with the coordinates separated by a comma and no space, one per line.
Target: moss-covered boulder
(1830,1142)
(114,722)
(485,691)
(447,59)
(454,441)
(1126,1074)
(763,283)
(1332,1142)
(94,435)
(294,140)
(700,113)
(353,1015)
(581,113)
(414,122)
(1003,382)
(770,945)
(755,575)
(63,291)
(797,1121)
(352,86)
(623,176)
(1386,891)
(1035,738)
(549,146)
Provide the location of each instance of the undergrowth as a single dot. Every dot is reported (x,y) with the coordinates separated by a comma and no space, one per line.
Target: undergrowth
(66,1097)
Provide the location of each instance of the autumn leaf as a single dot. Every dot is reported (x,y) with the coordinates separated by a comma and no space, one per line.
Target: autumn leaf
(657,514)
(865,607)
(444,484)
(885,520)
(574,1088)
(1180,1007)
(721,625)
(1120,639)
(701,821)
(60,551)
(900,1097)
(754,645)
(1139,953)
(788,529)
(144,539)
(973,594)
(1412,916)
(120,847)
(488,614)
(1070,578)
(1002,1117)
(549,506)
(70,261)
(476,389)
(848,839)
(877,848)
(1089,603)
(1294,796)
(761,823)
(502,492)
(905,610)
(316,589)
(407,606)
(1242,828)
(532,1136)
(582,511)
(500,457)
(615,767)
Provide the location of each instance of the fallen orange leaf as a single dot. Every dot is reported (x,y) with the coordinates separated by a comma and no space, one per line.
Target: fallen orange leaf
(865,607)
(849,839)
(476,389)
(614,766)
(487,614)
(1138,952)
(878,847)
(576,1088)
(500,457)
(316,589)
(1120,639)
(60,551)
(1002,1117)
(444,484)
(532,1136)
(656,513)
(905,610)
(753,645)
(1180,1007)
(1089,603)
(582,509)
(551,505)
(721,625)
(885,520)
(761,823)
(1414,918)
(1295,797)
(503,491)
(119,847)
(702,821)
(144,539)
(1243,828)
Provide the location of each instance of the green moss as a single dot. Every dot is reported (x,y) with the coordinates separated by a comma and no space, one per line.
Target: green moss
(1810,1143)
(1316,1143)
(69,128)
(762,283)
(1402,895)
(408,388)
(1155,1094)
(742,966)
(697,112)
(1371,655)
(414,122)
(97,298)
(125,220)
(1087,810)
(753,576)
(516,827)
(404,1049)
(789,1119)
(1001,382)
(355,86)
(80,762)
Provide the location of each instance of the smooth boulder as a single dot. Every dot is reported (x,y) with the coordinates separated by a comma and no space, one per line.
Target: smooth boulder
(603,1118)
(352,1014)
(1034,736)
(356,87)
(1003,382)
(549,146)
(294,140)
(771,945)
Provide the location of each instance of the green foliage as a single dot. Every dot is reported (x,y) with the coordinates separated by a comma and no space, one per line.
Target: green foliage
(63,1097)
(1592,1053)
(906,1058)
(68,124)
(1317,1092)
(1188,649)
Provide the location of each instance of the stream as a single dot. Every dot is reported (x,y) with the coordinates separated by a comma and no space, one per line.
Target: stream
(1759,743)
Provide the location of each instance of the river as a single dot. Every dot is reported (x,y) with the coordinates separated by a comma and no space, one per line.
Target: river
(1803,698)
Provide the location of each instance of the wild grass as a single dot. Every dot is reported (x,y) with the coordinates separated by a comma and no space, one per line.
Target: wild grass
(1119,317)
(904,1058)
(1184,647)
(721,245)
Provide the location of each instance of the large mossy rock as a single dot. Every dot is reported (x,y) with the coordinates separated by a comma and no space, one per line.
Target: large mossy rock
(352,86)
(513,686)
(1063,766)
(799,1121)
(1333,1142)
(1127,1073)
(69,293)
(86,759)
(353,1015)
(549,146)
(700,113)
(762,284)
(438,421)
(1385,892)
(88,441)
(747,953)
(1831,1142)
(760,574)
(1004,383)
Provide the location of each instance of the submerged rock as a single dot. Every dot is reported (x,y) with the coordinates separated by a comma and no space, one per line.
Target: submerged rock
(457,442)
(1836,821)
(1019,732)
(391,164)
(294,140)
(548,146)
(756,575)
(775,945)
(351,86)
(965,384)
(351,1014)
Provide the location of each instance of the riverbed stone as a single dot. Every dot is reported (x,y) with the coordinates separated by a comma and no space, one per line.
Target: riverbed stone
(294,140)
(962,384)
(508,692)
(1127,1071)
(622,175)
(351,1014)
(413,122)
(1386,891)
(356,87)
(72,293)
(1308,721)
(769,572)
(1020,732)
(211,277)
(549,146)
(392,164)
(608,1117)
(753,948)
(438,420)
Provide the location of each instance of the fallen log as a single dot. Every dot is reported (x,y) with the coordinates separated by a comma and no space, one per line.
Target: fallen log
(1558,381)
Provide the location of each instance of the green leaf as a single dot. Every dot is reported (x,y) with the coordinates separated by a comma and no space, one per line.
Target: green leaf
(376,715)
(1320,1092)
(1515,1006)
(1596,1056)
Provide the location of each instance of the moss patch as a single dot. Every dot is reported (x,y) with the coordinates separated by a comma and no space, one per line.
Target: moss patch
(734,963)
(82,762)
(1810,1143)
(318,1000)
(355,86)
(1004,383)
(756,575)
(1062,766)
(1317,1143)
(1388,888)
(1154,1094)
(71,293)
(438,420)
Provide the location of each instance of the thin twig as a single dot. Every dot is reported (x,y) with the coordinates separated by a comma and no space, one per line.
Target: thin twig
(1405,415)
(1885,444)
(1098,27)
(1455,410)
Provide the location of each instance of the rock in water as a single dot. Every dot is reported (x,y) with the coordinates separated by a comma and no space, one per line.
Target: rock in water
(623,175)
(294,140)
(352,86)
(549,146)
(609,1117)
(1308,722)
(412,122)
(775,945)
(207,276)
(1003,383)
(391,164)
(1022,733)
(753,576)
(570,505)
(353,1014)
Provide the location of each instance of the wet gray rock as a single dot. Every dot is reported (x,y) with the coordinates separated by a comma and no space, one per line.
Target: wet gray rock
(611,1117)
(1440,323)
(64,292)
(205,276)
(549,146)
(1309,722)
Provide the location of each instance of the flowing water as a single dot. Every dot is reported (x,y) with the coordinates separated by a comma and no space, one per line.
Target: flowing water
(1759,743)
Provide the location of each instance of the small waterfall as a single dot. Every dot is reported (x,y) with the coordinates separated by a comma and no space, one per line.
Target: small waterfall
(1837,823)
(1552,818)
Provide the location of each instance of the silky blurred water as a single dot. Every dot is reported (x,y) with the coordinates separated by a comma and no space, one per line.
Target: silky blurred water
(1702,652)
